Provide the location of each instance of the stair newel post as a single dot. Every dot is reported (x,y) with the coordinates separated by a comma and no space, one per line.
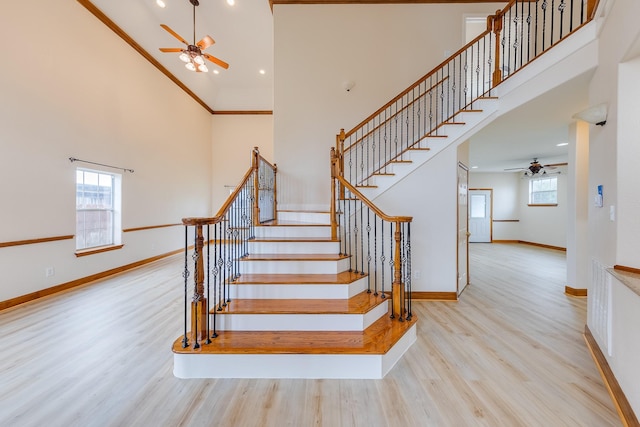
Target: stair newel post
(256,186)
(397,286)
(340,154)
(333,212)
(497,29)
(199,301)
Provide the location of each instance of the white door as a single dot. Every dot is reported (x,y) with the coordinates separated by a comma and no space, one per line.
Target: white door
(480,215)
(463,235)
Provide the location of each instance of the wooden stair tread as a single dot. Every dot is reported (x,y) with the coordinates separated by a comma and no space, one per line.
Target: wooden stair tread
(294,257)
(377,339)
(358,304)
(343,278)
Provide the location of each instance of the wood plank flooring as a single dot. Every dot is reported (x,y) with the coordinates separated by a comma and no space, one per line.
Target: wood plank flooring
(510,353)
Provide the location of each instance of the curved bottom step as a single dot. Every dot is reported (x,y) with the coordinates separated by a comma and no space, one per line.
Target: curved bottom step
(333,355)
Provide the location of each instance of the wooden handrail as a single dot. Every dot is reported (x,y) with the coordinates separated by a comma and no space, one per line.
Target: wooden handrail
(366,201)
(389,119)
(370,204)
(225,207)
(410,88)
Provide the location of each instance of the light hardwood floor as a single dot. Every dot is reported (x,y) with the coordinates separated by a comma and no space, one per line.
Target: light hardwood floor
(510,353)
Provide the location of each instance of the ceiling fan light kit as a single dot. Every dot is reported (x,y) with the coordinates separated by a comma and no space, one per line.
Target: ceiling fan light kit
(535,168)
(192,56)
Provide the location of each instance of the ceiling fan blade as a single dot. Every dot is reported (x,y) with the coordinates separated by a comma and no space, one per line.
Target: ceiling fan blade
(171,49)
(556,164)
(205,42)
(515,169)
(216,60)
(174,34)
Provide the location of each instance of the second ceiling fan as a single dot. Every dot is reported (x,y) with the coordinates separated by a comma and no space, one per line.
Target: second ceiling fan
(537,168)
(192,55)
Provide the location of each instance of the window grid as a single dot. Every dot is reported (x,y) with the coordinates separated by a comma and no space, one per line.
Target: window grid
(543,191)
(94,209)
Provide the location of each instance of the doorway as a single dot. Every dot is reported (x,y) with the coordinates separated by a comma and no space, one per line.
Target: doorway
(480,215)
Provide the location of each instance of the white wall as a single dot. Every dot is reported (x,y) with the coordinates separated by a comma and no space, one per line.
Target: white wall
(628,156)
(546,225)
(506,196)
(434,225)
(83,92)
(578,206)
(613,163)
(382,48)
(234,137)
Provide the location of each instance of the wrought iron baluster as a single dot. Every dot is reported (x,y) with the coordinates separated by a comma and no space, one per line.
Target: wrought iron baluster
(553,14)
(368,250)
(220,264)
(544,23)
(216,278)
(382,258)
(361,240)
(348,232)
(355,234)
(206,268)
(529,32)
(196,298)
(408,275)
(185,275)
(561,8)
(391,241)
(375,255)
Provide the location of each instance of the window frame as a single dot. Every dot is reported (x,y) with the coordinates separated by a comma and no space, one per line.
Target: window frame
(114,212)
(532,192)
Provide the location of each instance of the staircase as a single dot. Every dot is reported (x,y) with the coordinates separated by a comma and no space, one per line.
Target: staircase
(296,311)
(288,302)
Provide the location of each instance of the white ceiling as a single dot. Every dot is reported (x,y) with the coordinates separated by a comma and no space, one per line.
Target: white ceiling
(244,38)
(530,131)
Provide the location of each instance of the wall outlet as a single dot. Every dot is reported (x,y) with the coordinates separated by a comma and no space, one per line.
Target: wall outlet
(49,271)
(417,274)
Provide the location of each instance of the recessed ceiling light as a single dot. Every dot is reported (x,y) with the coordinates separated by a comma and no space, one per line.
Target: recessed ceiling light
(160,3)
(562,144)
(231,2)
(474,167)
(216,72)
(262,72)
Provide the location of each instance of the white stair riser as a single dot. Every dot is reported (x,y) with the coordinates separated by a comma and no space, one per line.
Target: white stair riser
(299,322)
(294,267)
(306,291)
(293,231)
(292,247)
(310,217)
(309,366)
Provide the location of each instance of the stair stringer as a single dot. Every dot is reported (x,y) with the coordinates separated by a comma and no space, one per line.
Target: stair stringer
(574,56)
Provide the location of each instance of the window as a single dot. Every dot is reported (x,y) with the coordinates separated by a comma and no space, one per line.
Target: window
(478,205)
(97,209)
(543,191)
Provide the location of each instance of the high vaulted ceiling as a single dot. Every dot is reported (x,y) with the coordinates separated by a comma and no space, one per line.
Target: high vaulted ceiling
(243,35)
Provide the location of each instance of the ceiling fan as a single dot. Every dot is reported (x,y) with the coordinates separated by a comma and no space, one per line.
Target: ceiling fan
(192,56)
(536,168)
